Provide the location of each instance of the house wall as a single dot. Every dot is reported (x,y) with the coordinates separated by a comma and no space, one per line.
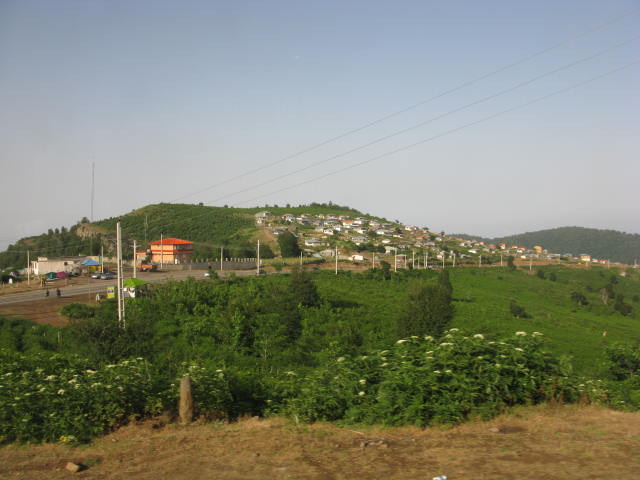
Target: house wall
(40,267)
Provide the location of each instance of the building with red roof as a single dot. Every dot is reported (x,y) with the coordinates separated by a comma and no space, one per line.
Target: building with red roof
(168,250)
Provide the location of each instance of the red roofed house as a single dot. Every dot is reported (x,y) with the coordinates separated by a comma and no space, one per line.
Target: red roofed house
(170,250)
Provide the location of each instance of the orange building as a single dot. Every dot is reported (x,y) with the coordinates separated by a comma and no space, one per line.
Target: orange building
(168,250)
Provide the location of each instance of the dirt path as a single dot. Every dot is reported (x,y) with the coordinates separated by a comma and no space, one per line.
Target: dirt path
(560,443)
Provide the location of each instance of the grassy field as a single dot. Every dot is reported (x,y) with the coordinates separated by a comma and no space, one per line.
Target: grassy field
(482,297)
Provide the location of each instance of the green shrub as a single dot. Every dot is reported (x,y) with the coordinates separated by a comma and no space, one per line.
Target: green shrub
(52,398)
(422,380)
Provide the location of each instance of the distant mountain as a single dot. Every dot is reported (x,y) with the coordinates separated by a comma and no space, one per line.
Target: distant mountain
(610,244)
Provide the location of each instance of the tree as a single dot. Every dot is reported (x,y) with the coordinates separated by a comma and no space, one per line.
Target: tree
(444,281)
(623,360)
(620,306)
(428,310)
(302,287)
(386,269)
(579,298)
(510,264)
(288,245)
(517,310)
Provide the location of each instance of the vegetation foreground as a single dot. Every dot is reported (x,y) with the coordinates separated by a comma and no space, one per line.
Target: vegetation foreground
(323,347)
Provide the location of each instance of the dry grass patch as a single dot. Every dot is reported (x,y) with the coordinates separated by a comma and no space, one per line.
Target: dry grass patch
(529,443)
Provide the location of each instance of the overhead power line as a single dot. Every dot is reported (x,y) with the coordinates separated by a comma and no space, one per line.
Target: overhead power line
(426,140)
(425,122)
(443,134)
(396,113)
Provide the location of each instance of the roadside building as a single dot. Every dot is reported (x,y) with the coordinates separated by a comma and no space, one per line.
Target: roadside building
(169,250)
(45,265)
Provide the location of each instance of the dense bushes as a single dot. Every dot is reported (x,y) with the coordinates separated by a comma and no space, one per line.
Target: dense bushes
(47,397)
(310,346)
(423,380)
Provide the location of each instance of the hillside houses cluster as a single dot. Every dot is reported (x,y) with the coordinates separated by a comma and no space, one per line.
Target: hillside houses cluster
(319,235)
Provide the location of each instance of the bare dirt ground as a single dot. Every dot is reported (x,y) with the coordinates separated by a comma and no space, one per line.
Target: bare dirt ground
(44,311)
(551,443)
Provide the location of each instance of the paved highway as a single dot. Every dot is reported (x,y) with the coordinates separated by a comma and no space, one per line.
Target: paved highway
(81,285)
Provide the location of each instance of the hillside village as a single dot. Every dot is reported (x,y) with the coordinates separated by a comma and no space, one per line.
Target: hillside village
(361,238)
(325,233)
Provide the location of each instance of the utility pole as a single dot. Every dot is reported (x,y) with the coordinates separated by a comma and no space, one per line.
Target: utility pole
(443,256)
(28,270)
(301,259)
(258,262)
(93,187)
(454,259)
(501,259)
(413,259)
(161,251)
(101,258)
(221,253)
(530,263)
(135,259)
(480,261)
(373,259)
(336,259)
(121,321)
(395,260)
(426,260)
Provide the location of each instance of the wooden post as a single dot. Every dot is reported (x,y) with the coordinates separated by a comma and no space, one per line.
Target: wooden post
(185,408)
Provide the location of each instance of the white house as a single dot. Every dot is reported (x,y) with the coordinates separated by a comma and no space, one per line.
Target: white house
(59,264)
(313,242)
(263,217)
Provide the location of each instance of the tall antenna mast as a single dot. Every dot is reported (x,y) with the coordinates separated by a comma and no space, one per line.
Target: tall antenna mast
(93,186)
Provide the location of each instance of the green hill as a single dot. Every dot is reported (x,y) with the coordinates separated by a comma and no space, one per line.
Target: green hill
(610,244)
(210,227)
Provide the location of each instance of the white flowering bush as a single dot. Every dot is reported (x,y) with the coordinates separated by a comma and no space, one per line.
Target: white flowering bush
(424,380)
(46,397)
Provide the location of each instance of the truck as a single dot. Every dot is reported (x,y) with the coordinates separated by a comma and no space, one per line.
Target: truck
(147,267)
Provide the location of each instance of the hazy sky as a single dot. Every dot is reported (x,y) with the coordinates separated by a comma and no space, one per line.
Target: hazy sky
(171,98)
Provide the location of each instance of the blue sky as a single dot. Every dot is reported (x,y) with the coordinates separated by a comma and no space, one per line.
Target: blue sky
(171,98)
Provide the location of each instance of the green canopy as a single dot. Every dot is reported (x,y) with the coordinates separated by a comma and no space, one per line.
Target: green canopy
(134,282)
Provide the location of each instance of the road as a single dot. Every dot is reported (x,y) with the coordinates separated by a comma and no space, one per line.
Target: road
(83,285)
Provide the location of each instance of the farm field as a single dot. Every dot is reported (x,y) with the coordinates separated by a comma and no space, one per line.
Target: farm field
(554,443)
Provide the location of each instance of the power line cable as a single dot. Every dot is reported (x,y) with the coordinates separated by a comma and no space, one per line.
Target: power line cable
(425,122)
(411,107)
(398,150)
(448,132)
(406,147)
(417,104)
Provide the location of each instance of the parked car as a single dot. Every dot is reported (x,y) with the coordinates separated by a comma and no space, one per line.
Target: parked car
(96,275)
(107,276)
